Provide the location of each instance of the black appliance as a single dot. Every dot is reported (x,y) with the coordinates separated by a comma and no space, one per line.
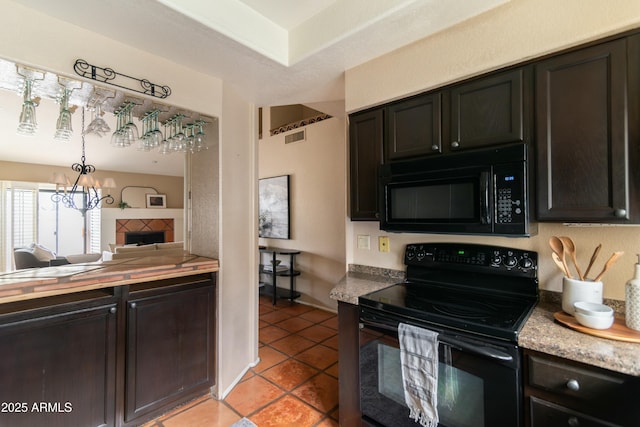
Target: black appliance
(482,191)
(477,297)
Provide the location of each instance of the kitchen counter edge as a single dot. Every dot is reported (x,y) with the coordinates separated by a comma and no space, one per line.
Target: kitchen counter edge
(540,333)
(19,286)
(361,280)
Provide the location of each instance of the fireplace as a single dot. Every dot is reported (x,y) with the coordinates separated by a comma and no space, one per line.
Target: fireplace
(126,226)
(143,237)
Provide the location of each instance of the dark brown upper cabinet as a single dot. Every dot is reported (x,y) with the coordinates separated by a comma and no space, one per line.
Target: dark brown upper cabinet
(582,135)
(414,127)
(365,150)
(489,110)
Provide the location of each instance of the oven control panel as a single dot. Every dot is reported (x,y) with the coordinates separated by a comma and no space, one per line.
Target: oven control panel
(472,257)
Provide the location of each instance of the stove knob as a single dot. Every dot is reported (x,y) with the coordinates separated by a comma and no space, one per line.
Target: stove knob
(496,260)
(526,263)
(410,254)
(511,261)
(420,255)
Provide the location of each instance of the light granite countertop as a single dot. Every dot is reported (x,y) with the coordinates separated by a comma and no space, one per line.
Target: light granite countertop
(361,280)
(540,333)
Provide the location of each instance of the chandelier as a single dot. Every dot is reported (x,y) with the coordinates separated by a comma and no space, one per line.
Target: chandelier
(84,194)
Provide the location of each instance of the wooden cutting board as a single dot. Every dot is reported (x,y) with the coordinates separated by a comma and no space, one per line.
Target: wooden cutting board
(618,331)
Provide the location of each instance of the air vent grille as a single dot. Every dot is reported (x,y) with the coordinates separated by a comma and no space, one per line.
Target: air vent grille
(294,137)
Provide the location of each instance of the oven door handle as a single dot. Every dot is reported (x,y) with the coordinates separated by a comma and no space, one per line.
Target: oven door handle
(489,352)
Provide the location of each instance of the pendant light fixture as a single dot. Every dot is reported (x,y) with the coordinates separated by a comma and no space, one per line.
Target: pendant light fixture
(84,194)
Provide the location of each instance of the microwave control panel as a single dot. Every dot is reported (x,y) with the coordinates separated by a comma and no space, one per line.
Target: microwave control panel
(509,187)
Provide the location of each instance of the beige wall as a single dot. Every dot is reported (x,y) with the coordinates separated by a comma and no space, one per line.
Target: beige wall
(172,186)
(238,225)
(519,30)
(506,35)
(317,167)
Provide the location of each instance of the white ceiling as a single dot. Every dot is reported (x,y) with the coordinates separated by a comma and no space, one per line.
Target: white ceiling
(275,52)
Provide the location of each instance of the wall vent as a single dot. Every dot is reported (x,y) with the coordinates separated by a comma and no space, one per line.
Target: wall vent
(295,137)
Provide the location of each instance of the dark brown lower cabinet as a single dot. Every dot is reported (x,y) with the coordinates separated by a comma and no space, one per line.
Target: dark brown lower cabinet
(113,357)
(560,392)
(57,363)
(348,363)
(169,347)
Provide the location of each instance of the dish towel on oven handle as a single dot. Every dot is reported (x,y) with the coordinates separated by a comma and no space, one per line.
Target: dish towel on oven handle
(419,358)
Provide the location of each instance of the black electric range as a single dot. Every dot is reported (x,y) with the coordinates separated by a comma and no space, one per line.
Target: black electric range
(477,289)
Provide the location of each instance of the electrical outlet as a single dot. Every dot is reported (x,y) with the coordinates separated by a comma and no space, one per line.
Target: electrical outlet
(383,243)
(364,241)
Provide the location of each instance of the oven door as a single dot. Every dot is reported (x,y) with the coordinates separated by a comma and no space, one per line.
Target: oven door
(479,383)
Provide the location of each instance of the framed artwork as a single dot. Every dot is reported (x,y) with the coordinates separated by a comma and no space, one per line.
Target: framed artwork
(274,217)
(156,201)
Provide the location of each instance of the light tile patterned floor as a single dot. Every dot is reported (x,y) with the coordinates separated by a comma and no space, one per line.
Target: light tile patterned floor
(295,384)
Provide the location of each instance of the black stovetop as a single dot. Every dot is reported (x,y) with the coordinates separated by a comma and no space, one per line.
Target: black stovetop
(475,290)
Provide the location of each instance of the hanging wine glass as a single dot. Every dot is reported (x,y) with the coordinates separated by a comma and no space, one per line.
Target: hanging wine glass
(165,145)
(98,125)
(199,139)
(144,143)
(28,125)
(64,130)
(178,136)
(131,134)
(117,138)
(188,137)
(156,133)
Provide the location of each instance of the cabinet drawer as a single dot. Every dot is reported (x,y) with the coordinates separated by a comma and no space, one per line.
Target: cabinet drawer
(577,382)
(546,414)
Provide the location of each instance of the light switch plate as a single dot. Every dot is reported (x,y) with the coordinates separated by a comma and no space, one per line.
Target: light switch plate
(364,241)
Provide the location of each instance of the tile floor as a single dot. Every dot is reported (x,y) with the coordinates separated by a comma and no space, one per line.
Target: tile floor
(294,385)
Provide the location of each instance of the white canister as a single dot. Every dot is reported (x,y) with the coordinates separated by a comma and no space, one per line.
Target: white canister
(632,300)
(574,290)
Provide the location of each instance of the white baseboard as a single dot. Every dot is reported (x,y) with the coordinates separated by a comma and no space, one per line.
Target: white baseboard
(238,378)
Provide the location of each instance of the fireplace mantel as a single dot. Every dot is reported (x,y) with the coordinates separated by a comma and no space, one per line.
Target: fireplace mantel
(110,216)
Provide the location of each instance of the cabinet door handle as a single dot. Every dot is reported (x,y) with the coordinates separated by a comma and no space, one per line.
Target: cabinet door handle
(455,144)
(112,310)
(620,213)
(132,305)
(435,147)
(573,422)
(573,385)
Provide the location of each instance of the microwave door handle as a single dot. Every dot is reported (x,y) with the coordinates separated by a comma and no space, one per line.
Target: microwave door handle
(484,198)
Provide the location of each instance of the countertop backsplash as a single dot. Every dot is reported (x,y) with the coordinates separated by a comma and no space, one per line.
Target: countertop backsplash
(552,297)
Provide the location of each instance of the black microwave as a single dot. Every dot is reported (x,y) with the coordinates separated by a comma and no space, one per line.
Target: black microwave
(483,191)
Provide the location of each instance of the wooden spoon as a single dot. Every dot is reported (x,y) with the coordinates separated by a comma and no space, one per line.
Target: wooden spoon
(570,248)
(558,248)
(596,251)
(558,262)
(608,265)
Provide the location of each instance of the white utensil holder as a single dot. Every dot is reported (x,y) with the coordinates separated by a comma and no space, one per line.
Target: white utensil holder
(579,290)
